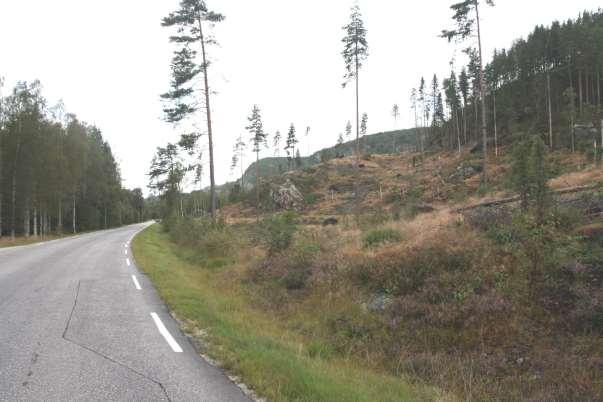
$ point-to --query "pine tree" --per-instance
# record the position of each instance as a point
(464, 89)
(464, 29)
(435, 91)
(298, 159)
(396, 114)
(348, 130)
(363, 129)
(307, 138)
(190, 20)
(290, 145)
(276, 141)
(414, 104)
(237, 157)
(355, 51)
(258, 139)
(424, 101)
(453, 102)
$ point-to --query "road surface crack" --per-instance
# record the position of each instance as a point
(65, 337)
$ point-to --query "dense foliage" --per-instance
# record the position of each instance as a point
(57, 173)
(549, 83)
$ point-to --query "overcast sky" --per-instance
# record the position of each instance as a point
(109, 61)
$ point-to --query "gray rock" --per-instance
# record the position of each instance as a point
(378, 302)
(287, 196)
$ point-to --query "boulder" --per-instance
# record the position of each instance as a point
(286, 196)
(378, 302)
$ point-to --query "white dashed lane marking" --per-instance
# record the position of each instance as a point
(136, 284)
(166, 334)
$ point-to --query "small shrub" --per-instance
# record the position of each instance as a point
(278, 231)
(377, 237)
(313, 198)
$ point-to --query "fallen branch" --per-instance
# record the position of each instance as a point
(509, 200)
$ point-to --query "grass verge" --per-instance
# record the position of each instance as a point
(250, 343)
(7, 241)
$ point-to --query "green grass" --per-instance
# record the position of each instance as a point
(253, 344)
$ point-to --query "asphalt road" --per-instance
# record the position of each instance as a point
(79, 322)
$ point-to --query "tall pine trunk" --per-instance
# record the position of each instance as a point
(495, 126)
(212, 182)
(1, 185)
(73, 221)
(483, 97)
(26, 220)
(550, 111)
(35, 220)
(257, 182)
(464, 124)
(60, 217)
(598, 95)
(357, 168)
(580, 91)
(458, 131)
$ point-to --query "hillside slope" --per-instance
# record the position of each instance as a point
(379, 143)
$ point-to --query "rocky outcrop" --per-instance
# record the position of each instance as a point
(286, 196)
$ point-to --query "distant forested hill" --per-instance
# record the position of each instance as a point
(380, 143)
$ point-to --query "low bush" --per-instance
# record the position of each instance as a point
(277, 231)
(205, 238)
(376, 237)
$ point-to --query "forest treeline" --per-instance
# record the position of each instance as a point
(57, 173)
(547, 84)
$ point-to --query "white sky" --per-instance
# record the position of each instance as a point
(109, 61)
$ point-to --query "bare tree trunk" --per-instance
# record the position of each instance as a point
(13, 204)
(35, 220)
(548, 93)
(13, 222)
(464, 124)
(357, 169)
(587, 88)
(495, 127)
(257, 183)
(598, 94)
(580, 91)
(212, 181)
(26, 218)
(1, 185)
(73, 216)
(458, 131)
(60, 217)
(483, 96)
